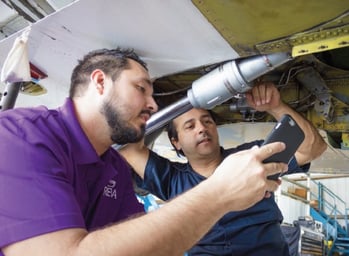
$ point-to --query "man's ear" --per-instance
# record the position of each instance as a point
(98, 79)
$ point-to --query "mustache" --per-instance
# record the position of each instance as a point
(205, 136)
(146, 111)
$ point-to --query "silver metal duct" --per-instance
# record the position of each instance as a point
(218, 86)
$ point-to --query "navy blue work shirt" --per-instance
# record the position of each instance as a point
(254, 231)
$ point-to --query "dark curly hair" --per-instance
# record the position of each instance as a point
(110, 61)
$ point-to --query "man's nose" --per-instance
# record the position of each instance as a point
(201, 127)
(151, 104)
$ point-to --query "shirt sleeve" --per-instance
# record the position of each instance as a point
(35, 194)
(157, 176)
(293, 167)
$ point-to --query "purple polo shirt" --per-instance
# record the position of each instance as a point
(51, 177)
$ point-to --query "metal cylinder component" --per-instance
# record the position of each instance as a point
(9, 95)
(162, 117)
(218, 86)
(232, 78)
(256, 66)
(239, 105)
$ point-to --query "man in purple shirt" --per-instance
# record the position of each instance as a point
(63, 187)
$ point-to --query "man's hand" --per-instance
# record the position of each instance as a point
(263, 97)
(243, 176)
(266, 97)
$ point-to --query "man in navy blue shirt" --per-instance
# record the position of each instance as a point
(254, 231)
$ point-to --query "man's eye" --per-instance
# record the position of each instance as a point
(208, 121)
(141, 88)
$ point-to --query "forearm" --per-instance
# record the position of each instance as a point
(170, 230)
(313, 145)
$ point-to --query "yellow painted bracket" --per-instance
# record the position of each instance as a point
(345, 140)
(320, 45)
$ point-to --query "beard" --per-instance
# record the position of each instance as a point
(120, 132)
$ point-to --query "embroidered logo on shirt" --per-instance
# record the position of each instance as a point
(110, 190)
